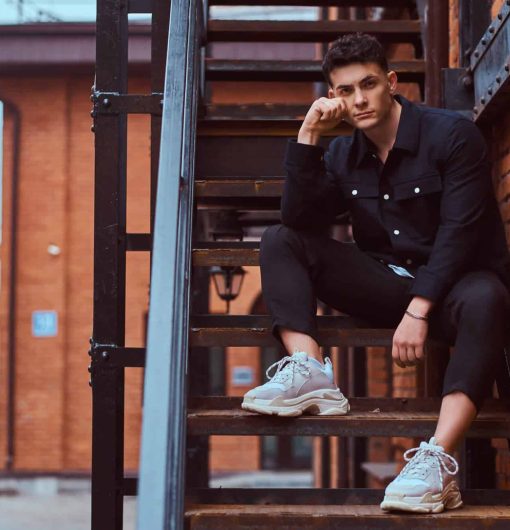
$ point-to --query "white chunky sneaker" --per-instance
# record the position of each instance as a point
(426, 484)
(300, 384)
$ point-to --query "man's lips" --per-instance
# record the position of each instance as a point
(362, 114)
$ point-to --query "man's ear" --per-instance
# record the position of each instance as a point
(331, 94)
(392, 81)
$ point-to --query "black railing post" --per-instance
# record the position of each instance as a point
(161, 486)
(437, 49)
(109, 269)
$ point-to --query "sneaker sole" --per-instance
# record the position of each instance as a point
(449, 499)
(317, 403)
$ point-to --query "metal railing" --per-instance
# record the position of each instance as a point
(161, 485)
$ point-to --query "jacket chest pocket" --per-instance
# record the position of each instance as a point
(424, 186)
(359, 190)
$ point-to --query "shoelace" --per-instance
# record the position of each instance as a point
(425, 455)
(285, 369)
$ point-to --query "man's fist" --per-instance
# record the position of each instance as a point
(324, 114)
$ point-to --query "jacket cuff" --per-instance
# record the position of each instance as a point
(303, 155)
(427, 285)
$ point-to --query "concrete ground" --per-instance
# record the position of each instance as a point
(64, 504)
(57, 512)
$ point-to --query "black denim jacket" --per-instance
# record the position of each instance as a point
(429, 208)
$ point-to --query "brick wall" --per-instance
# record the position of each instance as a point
(53, 399)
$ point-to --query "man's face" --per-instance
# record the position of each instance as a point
(367, 91)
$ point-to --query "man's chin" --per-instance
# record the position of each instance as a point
(366, 123)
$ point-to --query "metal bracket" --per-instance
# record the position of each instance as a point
(112, 356)
(108, 103)
(458, 90)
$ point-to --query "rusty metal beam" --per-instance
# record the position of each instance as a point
(490, 66)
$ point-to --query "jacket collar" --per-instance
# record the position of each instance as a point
(408, 133)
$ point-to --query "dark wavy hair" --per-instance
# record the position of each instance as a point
(353, 48)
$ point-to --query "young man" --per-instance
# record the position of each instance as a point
(429, 257)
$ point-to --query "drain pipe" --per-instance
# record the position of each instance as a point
(13, 111)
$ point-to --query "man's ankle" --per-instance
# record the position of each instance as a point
(317, 357)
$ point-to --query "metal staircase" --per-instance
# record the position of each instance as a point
(191, 140)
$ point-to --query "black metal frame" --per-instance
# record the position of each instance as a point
(111, 242)
(107, 379)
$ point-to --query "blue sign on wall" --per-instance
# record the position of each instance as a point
(44, 323)
(242, 376)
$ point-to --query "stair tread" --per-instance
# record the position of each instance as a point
(368, 417)
(311, 3)
(414, 65)
(347, 517)
(350, 510)
(310, 31)
(258, 119)
(255, 330)
(293, 70)
(264, 321)
(238, 187)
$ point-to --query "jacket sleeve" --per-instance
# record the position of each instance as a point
(311, 196)
(466, 189)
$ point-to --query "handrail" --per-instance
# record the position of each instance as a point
(161, 492)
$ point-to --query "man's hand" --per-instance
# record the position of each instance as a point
(323, 115)
(411, 333)
(409, 341)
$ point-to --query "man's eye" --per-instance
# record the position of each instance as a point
(344, 91)
(370, 84)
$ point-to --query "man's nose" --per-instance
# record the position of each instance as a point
(359, 97)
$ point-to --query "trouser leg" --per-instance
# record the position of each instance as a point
(297, 267)
(474, 315)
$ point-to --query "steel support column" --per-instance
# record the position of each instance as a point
(438, 45)
(109, 268)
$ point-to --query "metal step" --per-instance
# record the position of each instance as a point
(248, 70)
(266, 119)
(322, 496)
(405, 417)
(387, 31)
(255, 330)
(239, 193)
(344, 517)
(318, 3)
(225, 254)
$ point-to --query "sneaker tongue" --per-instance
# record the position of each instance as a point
(300, 356)
(432, 441)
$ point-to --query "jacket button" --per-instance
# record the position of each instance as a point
(409, 261)
(354, 192)
(396, 232)
(417, 190)
(386, 197)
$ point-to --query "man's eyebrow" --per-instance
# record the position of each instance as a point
(369, 76)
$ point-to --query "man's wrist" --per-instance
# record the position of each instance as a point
(420, 306)
(307, 136)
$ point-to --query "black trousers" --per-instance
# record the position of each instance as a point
(297, 267)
